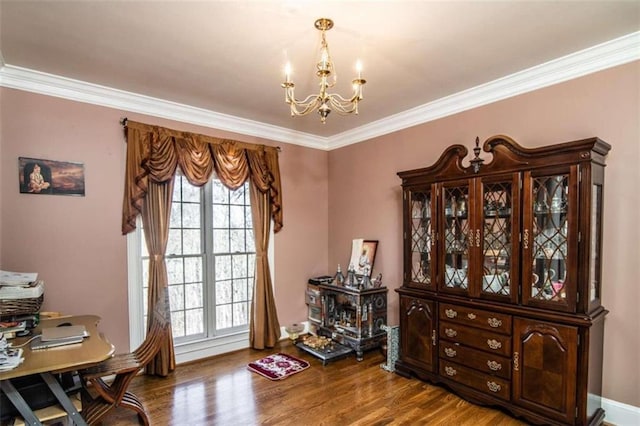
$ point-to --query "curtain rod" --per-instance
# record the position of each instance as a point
(124, 120)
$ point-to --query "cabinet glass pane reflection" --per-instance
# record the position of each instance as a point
(550, 229)
(496, 249)
(421, 237)
(456, 236)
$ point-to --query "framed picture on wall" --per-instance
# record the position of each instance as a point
(363, 254)
(39, 176)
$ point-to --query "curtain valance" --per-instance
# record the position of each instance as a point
(155, 152)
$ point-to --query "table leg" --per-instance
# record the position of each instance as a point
(18, 401)
(63, 399)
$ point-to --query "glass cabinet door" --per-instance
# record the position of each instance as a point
(456, 236)
(421, 239)
(499, 224)
(550, 239)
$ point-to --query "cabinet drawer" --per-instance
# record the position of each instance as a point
(487, 383)
(312, 298)
(499, 323)
(485, 362)
(483, 340)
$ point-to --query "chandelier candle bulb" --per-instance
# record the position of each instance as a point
(287, 73)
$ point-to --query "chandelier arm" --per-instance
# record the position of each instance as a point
(309, 100)
(304, 108)
(343, 106)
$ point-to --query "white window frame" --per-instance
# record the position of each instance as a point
(188, 351)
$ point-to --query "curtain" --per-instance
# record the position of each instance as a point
(153, 155)
(156, 211)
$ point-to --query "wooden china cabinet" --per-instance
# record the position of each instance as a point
(502, 277)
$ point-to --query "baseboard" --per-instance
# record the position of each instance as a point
(620, 414)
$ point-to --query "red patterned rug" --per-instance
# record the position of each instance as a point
(278, 366)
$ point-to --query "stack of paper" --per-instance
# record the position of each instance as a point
(10, 358)
(30, 291)
(17, 278)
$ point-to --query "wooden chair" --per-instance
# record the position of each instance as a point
(124, 367)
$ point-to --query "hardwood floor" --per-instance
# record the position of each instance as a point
(221, 391)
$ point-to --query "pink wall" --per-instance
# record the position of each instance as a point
(365, 196)
(75, 243)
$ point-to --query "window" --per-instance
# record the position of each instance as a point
(210, 261)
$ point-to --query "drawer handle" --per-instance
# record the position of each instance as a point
(471, 316)
(494, 387)
(451, 353)
(494, 322)
(493, 365)
(450, 313)
(450, 332)
(450, 371)
(516, 361)
(494, 344)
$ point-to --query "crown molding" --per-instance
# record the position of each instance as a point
(606, 55)
(62, 87)
(597, 58)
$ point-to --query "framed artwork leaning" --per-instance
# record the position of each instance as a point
(39, 176)
(363, 255)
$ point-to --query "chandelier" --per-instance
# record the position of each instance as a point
(324, 101)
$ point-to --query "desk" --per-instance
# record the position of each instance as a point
(47, 362)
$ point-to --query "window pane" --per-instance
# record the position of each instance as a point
(220, 216)
(223, 268)
(240, 315)
(193, 296)
(177, 323)
(223, 292)
(176, 215)
(247, 215)
(240, 290)
(193, 269)
(192, 244)
(176, 297)
(239, 265)
(220, 192)
(221, 241)
(174, 244)
(191, 216)
(236, 214)
(251, 264)
(195, 321)
(174, 271)
(251, 244)
(177, 188)
(223, 317)
(190, 193)
(237, 241)
(237, 196)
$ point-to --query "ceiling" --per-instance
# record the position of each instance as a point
(225, 59)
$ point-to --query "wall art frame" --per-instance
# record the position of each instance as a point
(41, 176)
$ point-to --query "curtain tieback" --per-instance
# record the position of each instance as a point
(156, 257)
